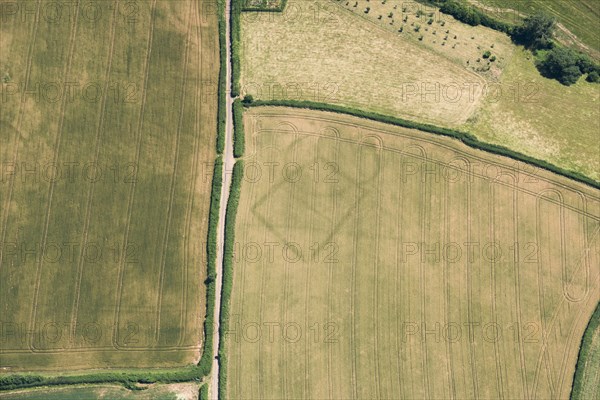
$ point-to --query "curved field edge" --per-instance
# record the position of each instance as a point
(464, 137)
(278, 135)
(228, 253)
(589, 350)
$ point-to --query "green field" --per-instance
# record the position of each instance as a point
(187, 391)
(373, 261)
(108, 125)
(579, 17)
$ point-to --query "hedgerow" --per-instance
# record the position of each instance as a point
(127, 378)
(584, 352)
(464, 137)
(236, 10)
(203, 393)
(230, 215)
(205, 363)
(238, 129)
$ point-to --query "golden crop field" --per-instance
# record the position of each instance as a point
(373, 261)
(107, 126)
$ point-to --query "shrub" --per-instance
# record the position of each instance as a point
(536, 31)
(248, 99)
(430, 21)
(593, 77)
(487, 54)
(493, 58)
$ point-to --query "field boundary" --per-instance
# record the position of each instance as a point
(228, 250)
(238, 129)
(584, 350)
(236, 35)
(466, 138)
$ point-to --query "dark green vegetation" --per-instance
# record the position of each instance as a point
(586, 383)
(205, 363)
(203, 394)
(470, 15)
(236, 10)
(228, 252)
(567, 65)
(128, 378)
(466, 138)
(238, 128)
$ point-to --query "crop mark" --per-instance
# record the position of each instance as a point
(99, 126)
(115, 338)
(450, 363)
(286, 264)
(18, 128)
(172, 190)
(57, 144)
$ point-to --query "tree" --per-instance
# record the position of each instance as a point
(536, 32)
(248, 99)
(561, 64)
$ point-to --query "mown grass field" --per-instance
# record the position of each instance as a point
(108, 125)
(320, 51)
(186, 391)
(542, 118)
(580, 17)
(357, 60)
(374, 261)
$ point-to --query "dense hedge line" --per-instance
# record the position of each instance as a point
(470, 15)
(222, 84)
(230, 215)
(238, 129)
(464, 137)
(127, 378)
(203, 393)
(265, 8)
(584, 352)
(236, 10)
(205, 362)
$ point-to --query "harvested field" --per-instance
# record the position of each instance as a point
(374, 261)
